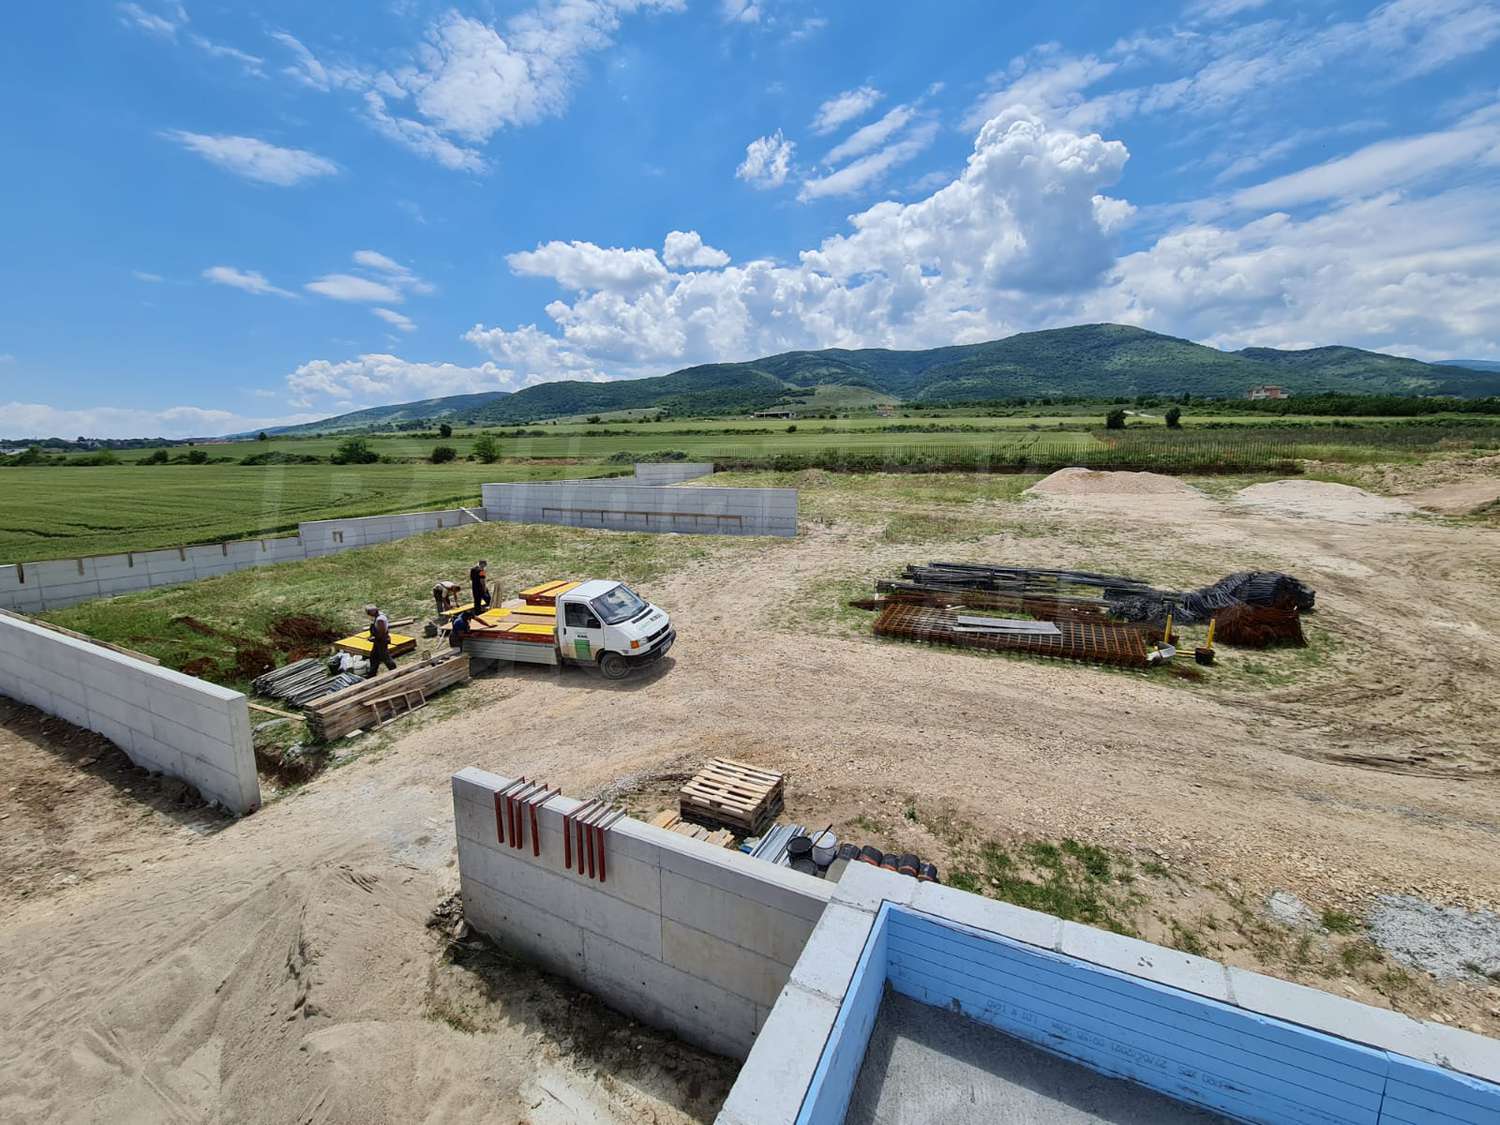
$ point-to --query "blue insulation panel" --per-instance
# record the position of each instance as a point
(1202, 1051)
(827, 1098)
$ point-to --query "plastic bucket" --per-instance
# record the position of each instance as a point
(825, 847)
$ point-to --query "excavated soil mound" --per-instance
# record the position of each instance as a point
(1322, 499)
(1087, 482)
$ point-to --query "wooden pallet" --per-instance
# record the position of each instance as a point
(672, 822)
(733, 794)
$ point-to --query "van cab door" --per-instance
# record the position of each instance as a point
(580, 632)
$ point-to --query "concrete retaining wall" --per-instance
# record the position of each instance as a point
(670, 472)
(635, 507)
(165, 721)
(681, 935)
(327, 537)
(41, 586)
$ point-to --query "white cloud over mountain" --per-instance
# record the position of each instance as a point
(1024, 237)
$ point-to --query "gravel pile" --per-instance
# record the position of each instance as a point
(1447, 941)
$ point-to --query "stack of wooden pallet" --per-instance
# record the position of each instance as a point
(378, 701)
(673, 822)
(733, 795)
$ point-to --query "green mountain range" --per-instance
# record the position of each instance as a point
(1087, 360)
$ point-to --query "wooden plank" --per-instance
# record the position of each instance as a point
(728, 778)
(664, 819)
(745, 767)
(273, 711)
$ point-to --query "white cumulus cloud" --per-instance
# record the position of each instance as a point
(687, 248)
(379, 378)
(768, 161)
(582, 265)
(255, 159)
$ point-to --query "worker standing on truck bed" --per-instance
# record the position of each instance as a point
(480, 587)
(380, 641)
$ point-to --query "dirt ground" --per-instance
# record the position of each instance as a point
(283, 968)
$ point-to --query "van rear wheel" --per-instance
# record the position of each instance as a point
(614, 666)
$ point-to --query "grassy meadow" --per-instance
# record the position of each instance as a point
(51, 513)
(65, 510)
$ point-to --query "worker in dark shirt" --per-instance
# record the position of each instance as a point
(480, 587)
(380, 641)
(458, 629)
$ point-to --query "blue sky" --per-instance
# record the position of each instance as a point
(215, 217)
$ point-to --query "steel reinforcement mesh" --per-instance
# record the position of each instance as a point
(1096, 642)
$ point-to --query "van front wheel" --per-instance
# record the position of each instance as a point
(614, 666)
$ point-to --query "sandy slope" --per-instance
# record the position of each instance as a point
(281, 969)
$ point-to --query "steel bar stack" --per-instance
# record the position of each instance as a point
(733, 795)
(1098, 642)
(377, 701)
(302, 681)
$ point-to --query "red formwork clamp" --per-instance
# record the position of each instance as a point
(518, 803)
(502, 809)
(568, 821)
(602, 826)
(535, 802)
(592, 826)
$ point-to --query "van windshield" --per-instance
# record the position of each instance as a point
(619, 604)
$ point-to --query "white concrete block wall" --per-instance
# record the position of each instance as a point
(671, 472)
(165, 721)
(696, 939)
(635, 507)
(41, 586)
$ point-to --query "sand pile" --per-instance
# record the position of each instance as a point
(1087, 482)
(1322, 499)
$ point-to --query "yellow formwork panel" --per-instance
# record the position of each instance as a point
(361, 645)
(491, 616)
(533, 610)
(544, 587)
(534, 630)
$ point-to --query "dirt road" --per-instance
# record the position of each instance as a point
(282, 969)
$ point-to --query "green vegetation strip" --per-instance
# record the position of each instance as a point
(213, 620)
(55, 513)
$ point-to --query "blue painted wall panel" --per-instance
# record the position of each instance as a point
(1217, 1029)
(1420, 1094)
(1136, 1029)
(1141, 1062)
(827, 1098)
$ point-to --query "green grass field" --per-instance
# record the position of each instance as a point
(240, 608)
(61, 511)
(52, 513)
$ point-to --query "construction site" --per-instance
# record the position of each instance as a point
(768, 797)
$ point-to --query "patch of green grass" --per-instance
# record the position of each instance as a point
(919, 527)
(1188, 940)
(55, 513)
(1068, 879)
(1337, 921)
(1155, 868)
(397, 576)
(1357, 953)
